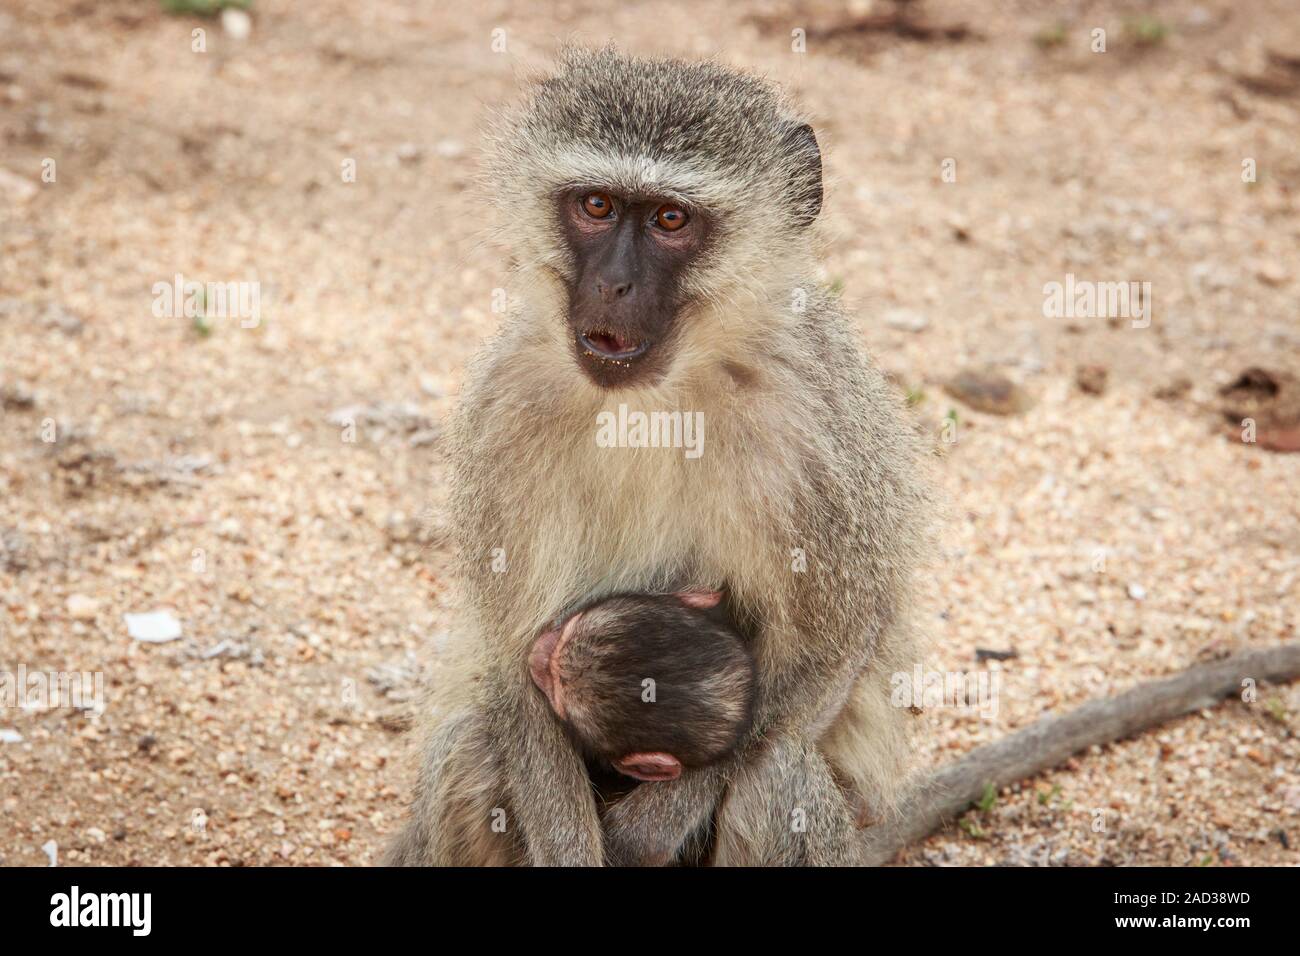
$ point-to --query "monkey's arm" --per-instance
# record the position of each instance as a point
(780, 808)
(650, 826)
(780, 805)
(495, 790)
(549, 788)
(550, 794)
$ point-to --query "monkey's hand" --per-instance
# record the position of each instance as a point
(549, 787)
(778, 805)
(651, 825)
(782, 807)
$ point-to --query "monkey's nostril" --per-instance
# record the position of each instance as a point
(614, 290)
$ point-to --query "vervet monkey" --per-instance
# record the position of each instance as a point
(649, 685)
(661, 215)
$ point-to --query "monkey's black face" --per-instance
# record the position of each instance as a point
(629, 254)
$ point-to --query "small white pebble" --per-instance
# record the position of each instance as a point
(906, 320)
(156, 627)
(450, 148)
(82, 608)
(237, 24)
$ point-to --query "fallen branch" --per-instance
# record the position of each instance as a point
(1049, 741)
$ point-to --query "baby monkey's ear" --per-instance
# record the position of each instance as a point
(543, 662)
(700, 599)
(649, 767)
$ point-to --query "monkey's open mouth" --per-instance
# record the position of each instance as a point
(612, 345)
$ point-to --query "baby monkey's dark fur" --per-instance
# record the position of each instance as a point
(649, 684)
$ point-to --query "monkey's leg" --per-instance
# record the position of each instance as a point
(548, 783)
(461, 815)
(868, 744)
(784, 808)
(419, 843)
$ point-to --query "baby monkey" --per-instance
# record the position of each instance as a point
(649, 685)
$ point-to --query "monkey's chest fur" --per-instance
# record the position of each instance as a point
(645, 519)
(591, 520)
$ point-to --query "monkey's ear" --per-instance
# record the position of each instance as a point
(805, 187)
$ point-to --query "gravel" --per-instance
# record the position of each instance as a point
(1108, 538)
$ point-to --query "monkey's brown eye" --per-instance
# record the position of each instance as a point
(597, 205)
(671, 217)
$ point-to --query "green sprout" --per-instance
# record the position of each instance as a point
(1146, 31)
(973, 829)
(203, 8)
(1277, 710)
(200, 324)
(1050, 37)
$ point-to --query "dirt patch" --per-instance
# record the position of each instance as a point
(1106, 537)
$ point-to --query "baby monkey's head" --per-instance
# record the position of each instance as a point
(650, 684)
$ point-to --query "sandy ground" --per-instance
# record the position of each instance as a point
(204, 468)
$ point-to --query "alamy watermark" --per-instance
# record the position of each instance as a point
(75, 908)
(651, 430)
(1084, 299)
(48, 690)
(181, 299)
(961, 690)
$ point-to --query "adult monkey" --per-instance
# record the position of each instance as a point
(661, 216)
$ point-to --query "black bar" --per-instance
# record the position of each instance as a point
(940, 907)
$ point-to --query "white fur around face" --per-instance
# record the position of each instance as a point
(602, 520)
